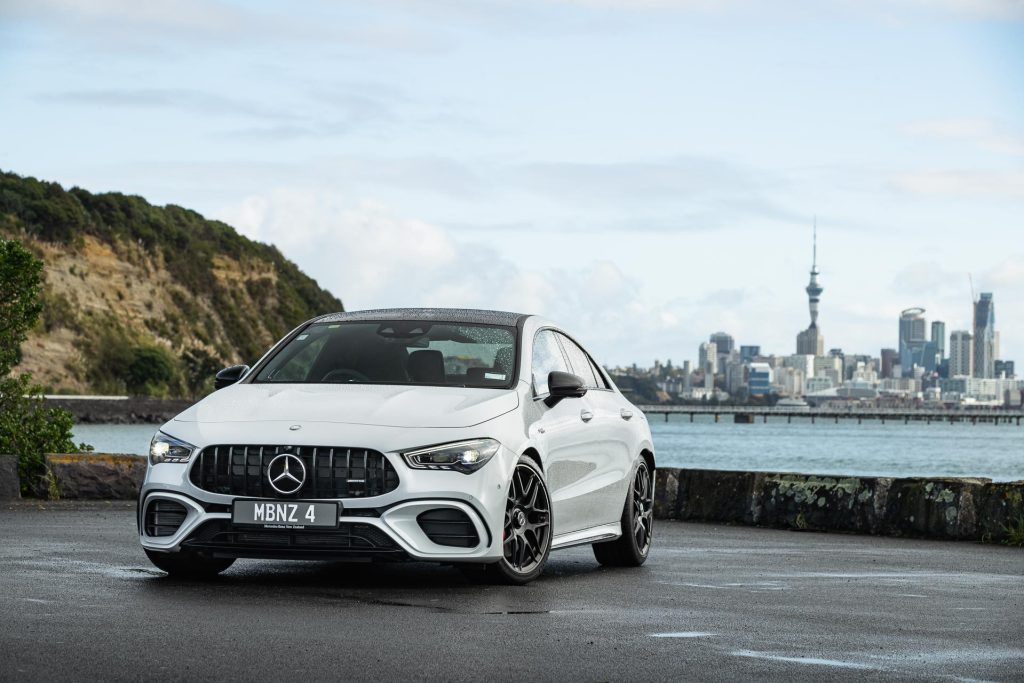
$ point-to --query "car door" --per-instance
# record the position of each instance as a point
(609, 438)
(565, 438)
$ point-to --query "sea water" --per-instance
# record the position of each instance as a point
(893, 449)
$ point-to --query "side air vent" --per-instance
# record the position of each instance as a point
(450, 527)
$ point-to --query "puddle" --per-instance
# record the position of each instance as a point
(684, 634)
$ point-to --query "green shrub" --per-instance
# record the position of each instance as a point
(28, 428)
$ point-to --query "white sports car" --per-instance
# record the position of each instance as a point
(478, 438)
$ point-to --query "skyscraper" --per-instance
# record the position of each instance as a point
(810, 342)
(961, 354)
(724, 342)
(939, 337)
(985, 336)
(915, 349)
(708, 357)
(888, 358)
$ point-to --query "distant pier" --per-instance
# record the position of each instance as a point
(750, 414)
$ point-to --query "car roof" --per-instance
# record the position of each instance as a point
(450, 315)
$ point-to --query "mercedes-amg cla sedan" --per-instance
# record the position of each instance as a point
(477, 438)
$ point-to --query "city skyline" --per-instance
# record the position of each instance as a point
(914, 343)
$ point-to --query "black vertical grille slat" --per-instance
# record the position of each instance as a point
(241, 470)
(330, 464)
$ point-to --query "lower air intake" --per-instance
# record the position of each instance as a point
(164, 517)
(450, 527)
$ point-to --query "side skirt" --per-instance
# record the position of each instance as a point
(595, 534)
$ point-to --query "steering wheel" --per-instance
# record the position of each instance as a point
(340, 375)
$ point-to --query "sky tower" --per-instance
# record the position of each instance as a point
(810, 342)
(814, 289)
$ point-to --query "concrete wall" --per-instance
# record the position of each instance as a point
(968, 509)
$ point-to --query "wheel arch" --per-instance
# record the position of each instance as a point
(647, 453)
(534, 455)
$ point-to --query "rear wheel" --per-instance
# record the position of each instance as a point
(631, 549)
(187, 565)
(526, 533)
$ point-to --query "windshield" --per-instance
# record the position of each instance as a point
(397, 352)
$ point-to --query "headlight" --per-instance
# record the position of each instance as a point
(164, 448)
(463, 456)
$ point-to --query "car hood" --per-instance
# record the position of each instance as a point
(363, 404)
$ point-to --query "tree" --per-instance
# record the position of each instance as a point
(150, 369)
(21, 277)
(27, 427)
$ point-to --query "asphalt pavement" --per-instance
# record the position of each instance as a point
(79, 601)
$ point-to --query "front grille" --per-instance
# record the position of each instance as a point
(348, 538)
(164, 517)
(331, 472)
(449, 526)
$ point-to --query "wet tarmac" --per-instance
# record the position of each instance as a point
(79, 601)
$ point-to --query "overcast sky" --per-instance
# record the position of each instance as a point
(644, 171)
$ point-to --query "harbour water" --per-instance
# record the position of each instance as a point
(868, 449)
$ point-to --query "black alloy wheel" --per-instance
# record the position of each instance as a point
(631, 549)
(526, 532)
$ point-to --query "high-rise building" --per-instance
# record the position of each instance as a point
(961, 354)
(810, 341)
(709, 358)
(723, 342)
(1005, 367)
(760, 379)
(749, 353)
(888, 358)
(939, 337)
(915, 349)
(985, 337)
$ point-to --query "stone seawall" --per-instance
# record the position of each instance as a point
(133, 410)
(949, 508)
(95, 476)
(946, 508)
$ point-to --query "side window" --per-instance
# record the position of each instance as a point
(580, 363)
(547, 358)
(602, 383)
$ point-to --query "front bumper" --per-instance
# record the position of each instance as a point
(384, 527)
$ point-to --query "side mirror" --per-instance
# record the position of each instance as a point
(563, 385)
(229, 376)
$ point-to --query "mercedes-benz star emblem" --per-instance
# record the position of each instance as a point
(286, 473)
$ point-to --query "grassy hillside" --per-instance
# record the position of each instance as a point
(144, 299)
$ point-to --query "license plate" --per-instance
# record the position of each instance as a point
(285, 514)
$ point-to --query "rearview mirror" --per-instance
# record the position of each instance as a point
(229, 376)
(563, 385)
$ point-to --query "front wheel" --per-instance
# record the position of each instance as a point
(631, 549)
(526, 533)
(186, 565)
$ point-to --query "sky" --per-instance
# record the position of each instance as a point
(644, 172)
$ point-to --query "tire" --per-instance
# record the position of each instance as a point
(632, 548)
(526, 538)
(186, 565)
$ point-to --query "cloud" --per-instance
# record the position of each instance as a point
(963, 184)
(181, 99)
(981, 132)
(372, 257)
(340, 109)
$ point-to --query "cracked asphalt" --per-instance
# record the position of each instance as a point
(80, 601)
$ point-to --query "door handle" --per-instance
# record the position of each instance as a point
(586, 415)
(625, 413)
